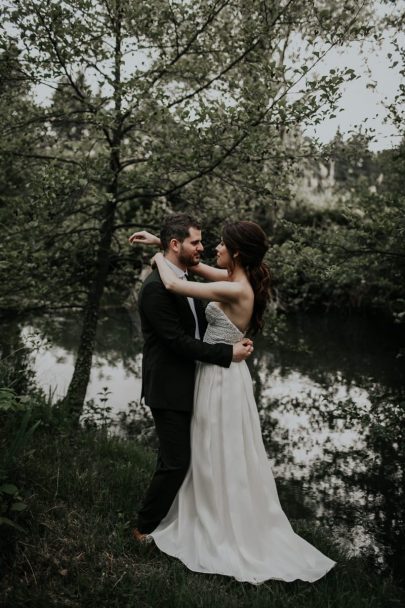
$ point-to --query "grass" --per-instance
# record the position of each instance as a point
(83, 488)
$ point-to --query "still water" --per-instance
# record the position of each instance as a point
(331, 396)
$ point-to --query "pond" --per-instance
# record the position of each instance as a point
(331, 396)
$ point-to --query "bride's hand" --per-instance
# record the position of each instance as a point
(242, 350)
(144, 238)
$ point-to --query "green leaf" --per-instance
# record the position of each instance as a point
(18, 506)
(9, 488)
(5, 521)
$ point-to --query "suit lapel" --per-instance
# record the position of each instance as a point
(185, 307)
(200, 310)
(186, 310)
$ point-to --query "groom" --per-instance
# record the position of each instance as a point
(173, 327)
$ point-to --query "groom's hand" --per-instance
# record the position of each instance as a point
(242, 350)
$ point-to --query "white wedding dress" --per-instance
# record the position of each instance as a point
(226, 518)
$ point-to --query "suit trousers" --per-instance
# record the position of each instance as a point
(173, 460)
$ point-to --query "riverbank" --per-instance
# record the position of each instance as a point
(82, 488)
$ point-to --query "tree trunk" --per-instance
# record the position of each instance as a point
(78, 386)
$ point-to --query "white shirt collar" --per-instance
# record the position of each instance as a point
(178, 271)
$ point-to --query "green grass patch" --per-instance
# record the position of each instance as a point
(82, 489)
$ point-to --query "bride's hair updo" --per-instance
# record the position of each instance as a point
(249, 241)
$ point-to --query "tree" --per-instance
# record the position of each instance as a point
(181, 99)
(353, 161)
(15, 174)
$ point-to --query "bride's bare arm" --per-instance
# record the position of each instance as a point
(143, 237)
(220, 291)
(209, 272)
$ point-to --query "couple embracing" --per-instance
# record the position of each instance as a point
(212, 501)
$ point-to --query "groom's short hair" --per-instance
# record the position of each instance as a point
(177, 226)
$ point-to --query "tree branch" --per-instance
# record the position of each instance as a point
(80, 95)
(44, 157)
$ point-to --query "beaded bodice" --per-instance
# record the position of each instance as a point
(220, 327)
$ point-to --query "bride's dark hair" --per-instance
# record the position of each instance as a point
(249, 241)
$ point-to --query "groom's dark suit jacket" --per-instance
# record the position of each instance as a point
(170, 348)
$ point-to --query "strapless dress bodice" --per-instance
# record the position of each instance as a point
(220, 327)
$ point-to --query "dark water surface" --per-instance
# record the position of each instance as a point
(331, 395)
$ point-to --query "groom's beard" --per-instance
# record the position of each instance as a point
(189, 259)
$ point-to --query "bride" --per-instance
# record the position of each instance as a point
(227, 518)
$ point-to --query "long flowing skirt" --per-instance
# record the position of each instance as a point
(227, 518)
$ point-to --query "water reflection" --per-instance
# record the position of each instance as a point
(333, 418)
(116, 363)
(331, 397)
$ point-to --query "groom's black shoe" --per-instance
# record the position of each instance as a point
(140, 537)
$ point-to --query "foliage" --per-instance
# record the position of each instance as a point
(11, 500)
(355, 165)
(395, 23)
(357, 263)
(79, 549)
(351, 254)
(359, 483)
(148, 117)
(136, 422)
(98, 415)
(18, 423)
(153, 104)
